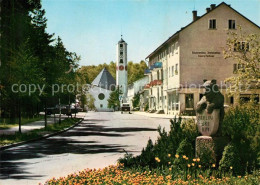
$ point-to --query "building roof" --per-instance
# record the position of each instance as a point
(104, 80)
(121, 41)
(198, 17)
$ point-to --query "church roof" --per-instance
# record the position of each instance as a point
(104, 80)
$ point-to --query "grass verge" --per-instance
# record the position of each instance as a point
(34, 134)
(5, 122)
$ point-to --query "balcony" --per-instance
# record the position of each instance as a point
(157, 65)
(147, 86)
(155, 82)
(147, 71)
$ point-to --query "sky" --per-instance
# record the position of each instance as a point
(92, 28)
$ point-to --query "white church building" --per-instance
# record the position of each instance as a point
(104, 83)
(101, 87)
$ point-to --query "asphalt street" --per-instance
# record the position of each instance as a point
(95, 143)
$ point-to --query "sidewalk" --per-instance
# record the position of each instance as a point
(37, 124)
(163, 116)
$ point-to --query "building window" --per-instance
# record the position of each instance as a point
(234, 68)
(212, 24)
(201, 96)
(176, 69)
(231, 24)
(241, 46)
(172, 70)
(189, 101)
(121, 61)
(101, 105)
(231, 100)
(121, 45)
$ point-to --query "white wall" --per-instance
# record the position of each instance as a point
(95, 91)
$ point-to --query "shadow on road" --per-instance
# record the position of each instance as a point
(14, 161)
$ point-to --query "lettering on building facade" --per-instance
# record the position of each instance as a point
(206, 53)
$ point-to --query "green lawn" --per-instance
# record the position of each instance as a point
(5, 122)
(51, 128)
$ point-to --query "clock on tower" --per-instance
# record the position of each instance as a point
(121, 66)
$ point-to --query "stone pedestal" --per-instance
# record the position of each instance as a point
(205, 149)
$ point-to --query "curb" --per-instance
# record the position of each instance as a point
(39, 138)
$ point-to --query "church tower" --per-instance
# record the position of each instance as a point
(121, 68)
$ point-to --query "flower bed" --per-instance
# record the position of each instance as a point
(119, 175)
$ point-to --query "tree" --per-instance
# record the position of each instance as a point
(29, 56)
(135, 71)
(245, 50)
(136, 100)
(113, 100)
(90, 102)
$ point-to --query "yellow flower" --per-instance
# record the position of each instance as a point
(239, 177)
(199, 166)
(231, 167)
(213, 165)
(198, 159)
(177, 156)
(194, 160)
(169, 162)
(188, 165)
(169, 155)
(192, 164)
(184, 156)
(170, 169)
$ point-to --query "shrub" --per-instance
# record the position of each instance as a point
(241, 125)
(185, 148)
(181, 136)
(231, 159)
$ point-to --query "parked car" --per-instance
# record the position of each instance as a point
(65, 109)
(125, 108)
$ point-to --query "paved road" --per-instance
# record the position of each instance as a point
(95, 143)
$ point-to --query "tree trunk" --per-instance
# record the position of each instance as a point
(45, 114)
(20, 117)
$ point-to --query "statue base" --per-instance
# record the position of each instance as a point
(204, 149)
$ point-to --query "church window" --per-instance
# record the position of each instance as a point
(101, 96)
(121, 61)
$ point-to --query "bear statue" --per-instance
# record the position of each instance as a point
(212, 99)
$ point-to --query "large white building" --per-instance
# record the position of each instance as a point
(135, 88)
(178, 66)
